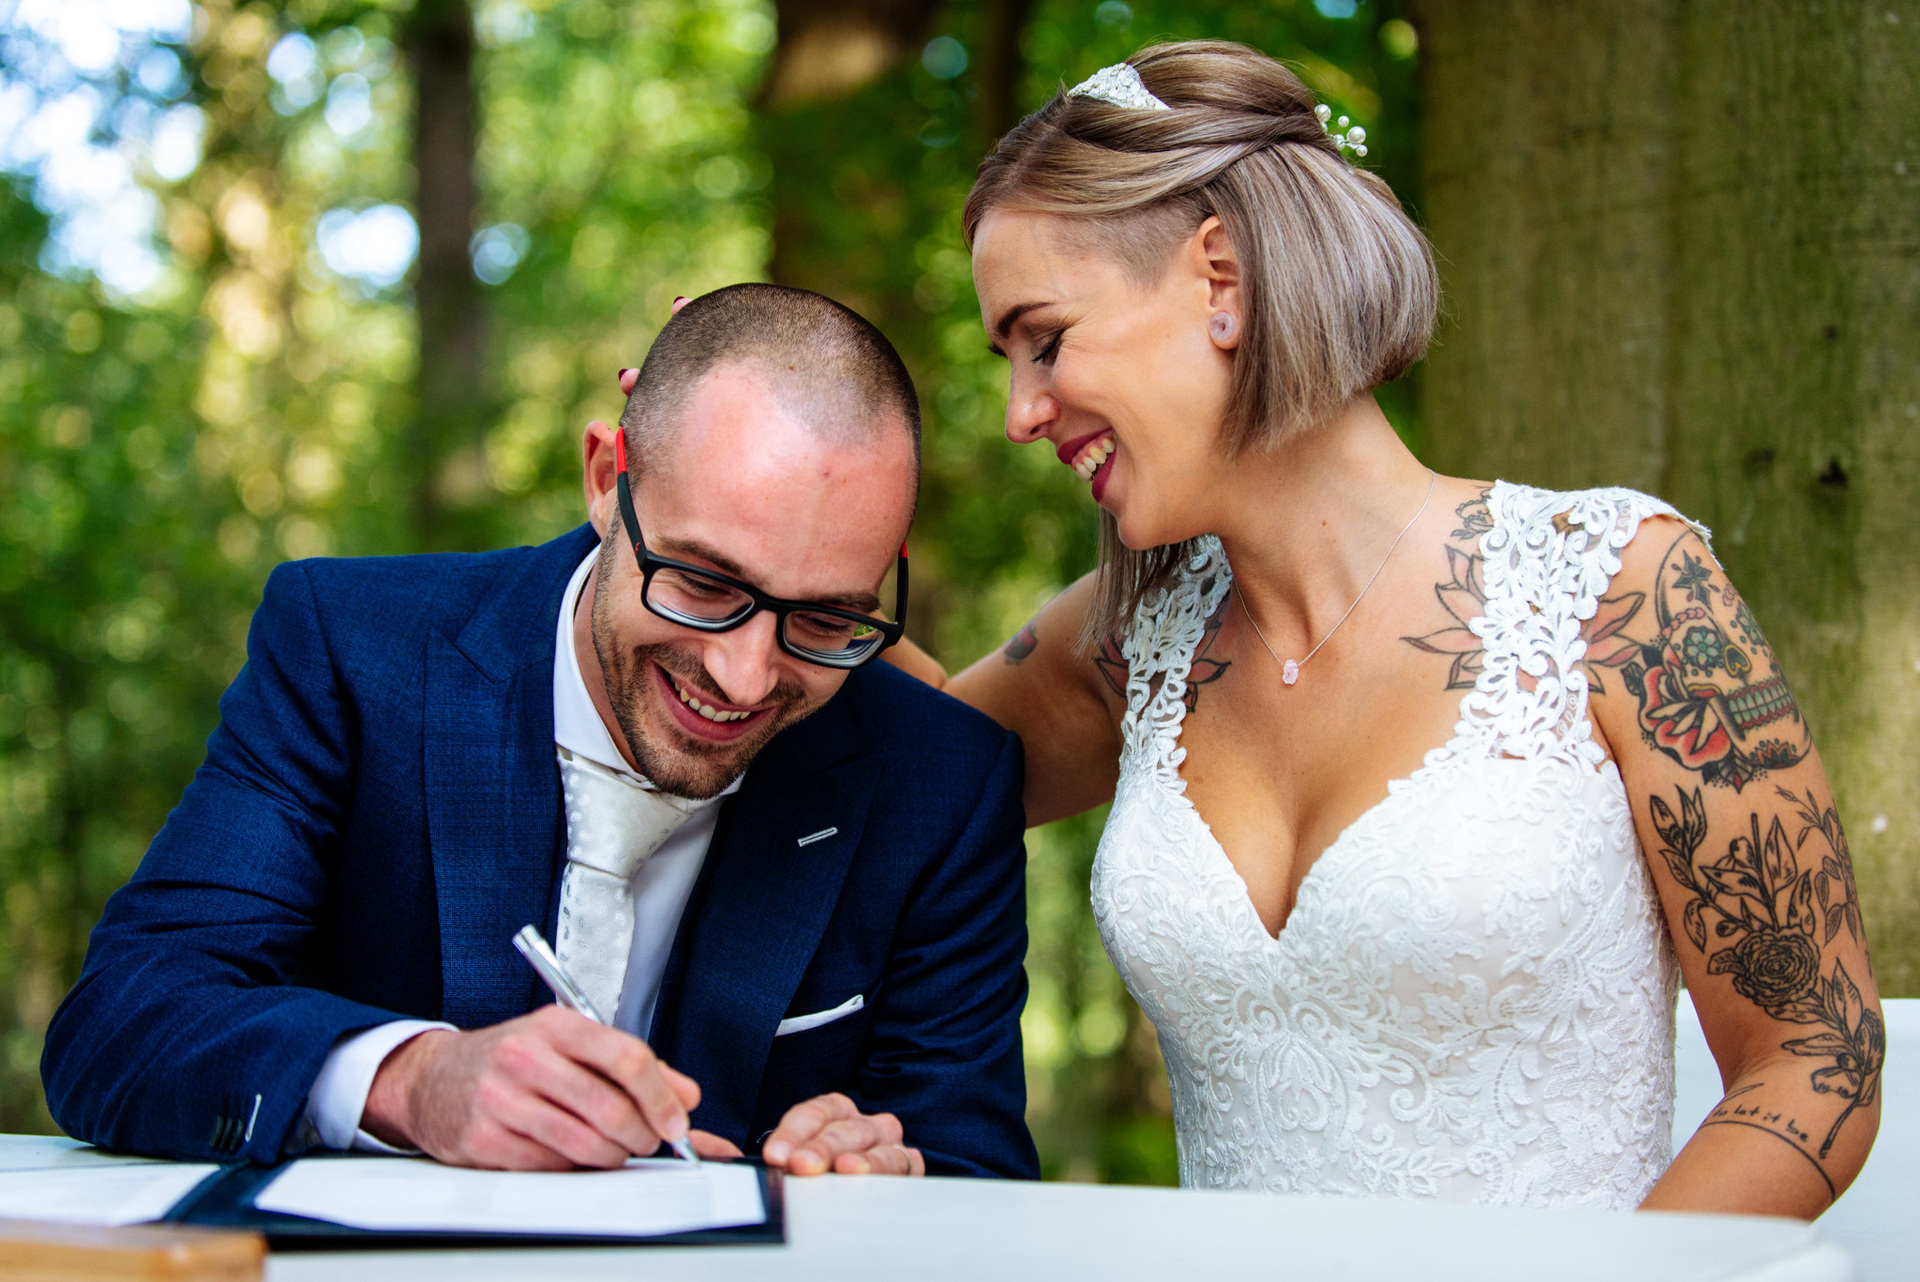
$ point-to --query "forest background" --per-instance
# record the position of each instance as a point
(340, 277)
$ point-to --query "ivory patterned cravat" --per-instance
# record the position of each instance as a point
(614, 825)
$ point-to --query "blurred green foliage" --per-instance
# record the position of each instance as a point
(158, 454)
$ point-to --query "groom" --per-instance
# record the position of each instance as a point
(790, 877)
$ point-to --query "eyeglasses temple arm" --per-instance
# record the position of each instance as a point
(900, 594)
(623, 491)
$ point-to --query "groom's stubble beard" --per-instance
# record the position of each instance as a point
(682, 766)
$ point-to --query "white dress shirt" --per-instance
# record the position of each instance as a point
(660, 889)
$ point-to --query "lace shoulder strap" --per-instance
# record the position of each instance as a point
(1159, 650)
(1547, 560)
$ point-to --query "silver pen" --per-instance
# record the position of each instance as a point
(531, 946)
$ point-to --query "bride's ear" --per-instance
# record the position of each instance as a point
(1210, 256)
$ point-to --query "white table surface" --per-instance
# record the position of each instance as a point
(986, 1229)
(1877, 1220)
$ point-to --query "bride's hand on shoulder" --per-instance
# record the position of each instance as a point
(1746, 851)
(1064, 703)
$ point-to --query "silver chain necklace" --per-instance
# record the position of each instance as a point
(1290, 668)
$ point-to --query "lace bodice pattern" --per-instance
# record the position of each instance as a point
(1473, 998)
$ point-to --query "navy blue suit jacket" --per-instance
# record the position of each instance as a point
(380, 810)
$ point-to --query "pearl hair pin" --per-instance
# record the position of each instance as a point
(1120, 86)
(1290, 668)
(1353, 139)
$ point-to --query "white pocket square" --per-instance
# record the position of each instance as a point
(801, 1023)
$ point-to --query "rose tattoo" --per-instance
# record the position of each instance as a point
(1772, 919)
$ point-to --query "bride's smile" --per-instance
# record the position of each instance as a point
(1088, 457)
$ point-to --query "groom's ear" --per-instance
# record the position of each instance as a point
(598, 450)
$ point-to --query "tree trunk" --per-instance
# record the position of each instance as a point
(833, 170)
(1001, 66)
(450, 406)
(1680, 244)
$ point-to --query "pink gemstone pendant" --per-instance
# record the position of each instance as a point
(1290, 672)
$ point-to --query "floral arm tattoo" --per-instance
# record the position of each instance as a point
(1769, 894)
(1768, 921)
(1768, 889)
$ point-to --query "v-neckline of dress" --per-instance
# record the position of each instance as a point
(1395, 786)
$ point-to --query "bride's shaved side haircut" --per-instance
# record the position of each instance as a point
(1338, 285)
(838, 372)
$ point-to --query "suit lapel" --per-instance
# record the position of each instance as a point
(759, 914)
(494, 819)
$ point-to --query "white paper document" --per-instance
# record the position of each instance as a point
(645, 1198)
(98, 1194)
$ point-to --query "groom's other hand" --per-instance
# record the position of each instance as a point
(548, 1091)
(830, 1133)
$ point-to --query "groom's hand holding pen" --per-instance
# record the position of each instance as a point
(551, 1090)
(547, 966)
(557, 1089)
(547, 1091)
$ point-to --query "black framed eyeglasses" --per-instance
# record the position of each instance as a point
(709, 601)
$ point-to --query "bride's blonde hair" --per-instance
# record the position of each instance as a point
(1338, 284)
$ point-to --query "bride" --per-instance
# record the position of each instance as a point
(1421, 786)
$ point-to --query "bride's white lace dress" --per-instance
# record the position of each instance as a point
(1473, 998)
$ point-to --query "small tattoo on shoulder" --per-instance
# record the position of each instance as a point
(1464, 597)
(1205, 669)
(1112, 663)
(1023, 643)
(1476, 518)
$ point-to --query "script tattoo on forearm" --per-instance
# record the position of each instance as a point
(1736, 1110)
(1769, 923)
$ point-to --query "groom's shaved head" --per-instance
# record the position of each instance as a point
(824, 362)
